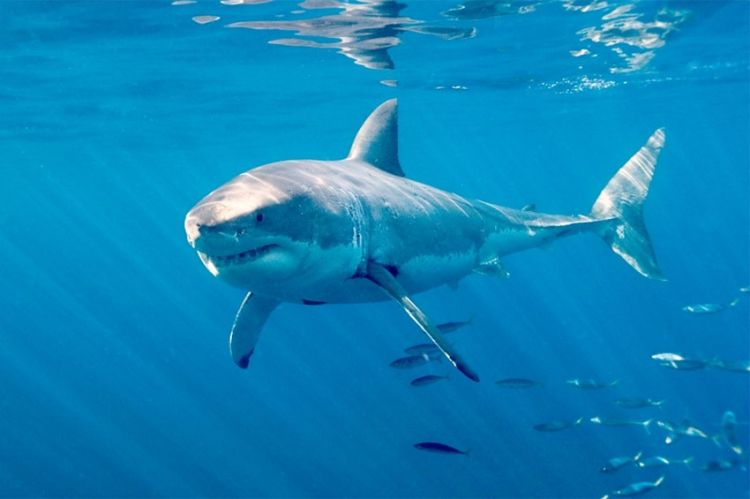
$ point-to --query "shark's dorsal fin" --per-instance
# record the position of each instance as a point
(377, 139)
(248, 322)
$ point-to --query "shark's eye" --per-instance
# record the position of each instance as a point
(259, 217)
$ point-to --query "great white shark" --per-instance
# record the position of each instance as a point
(357, 230)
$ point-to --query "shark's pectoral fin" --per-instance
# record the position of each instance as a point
(248, 322)
(492, 267)
(386, 281)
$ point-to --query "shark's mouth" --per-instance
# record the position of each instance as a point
(241, 258)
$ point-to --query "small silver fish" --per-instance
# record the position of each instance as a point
(422, 348)
(638, 403)
(744, 290)
(557, 425)
(517, 383)
(427, 380)
(635, 489)
(449, 327)
(659, 461)
(741, 366)
(709, 308)
(590, 384)
(675, 430)
(678, 362)
(439, 448)
(431, 348)
(729, 432)
(703, 308)
(721, 465)
(667, 357)
(616, 463)
(685, 364)
(621, 422)
(411, 361)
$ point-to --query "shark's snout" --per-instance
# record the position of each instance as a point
(211, 220)
(192, 229)
(214, 239)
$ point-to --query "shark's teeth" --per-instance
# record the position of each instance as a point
(241, 258)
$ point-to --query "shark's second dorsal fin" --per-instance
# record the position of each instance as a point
(377, 139)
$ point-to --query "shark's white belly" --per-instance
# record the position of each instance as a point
(417, 275)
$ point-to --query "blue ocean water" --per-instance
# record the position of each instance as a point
(118, 116)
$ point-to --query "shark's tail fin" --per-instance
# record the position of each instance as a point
(622, 202)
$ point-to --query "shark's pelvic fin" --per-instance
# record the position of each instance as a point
(377, 139)
(622, 200)
(385, 280)
(492, 267)
(248, 322)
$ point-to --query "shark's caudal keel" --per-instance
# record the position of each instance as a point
(357, 230)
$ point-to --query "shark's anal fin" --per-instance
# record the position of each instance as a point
(248, 322)
(386, 281)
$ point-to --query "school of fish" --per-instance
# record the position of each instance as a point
(724, 443)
